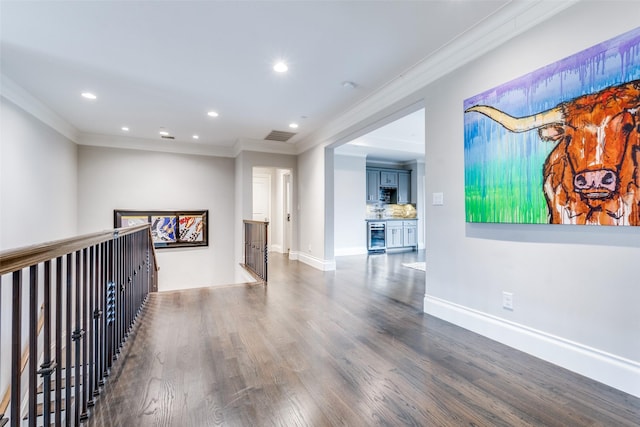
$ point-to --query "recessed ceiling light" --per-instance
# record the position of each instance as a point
(293, 125)
(280, 67)
(349, 85)
(164, 133)
(212, 114)
(89, 95)
(196, 137)
(125, 129)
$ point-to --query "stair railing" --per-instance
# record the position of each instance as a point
(256, 254)
(86, 293)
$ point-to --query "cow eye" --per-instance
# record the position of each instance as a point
(627, 128)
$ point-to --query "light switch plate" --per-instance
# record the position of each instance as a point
(438, 199)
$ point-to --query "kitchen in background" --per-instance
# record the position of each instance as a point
(379, 189)
(390, 215)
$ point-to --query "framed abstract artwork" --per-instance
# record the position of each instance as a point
(169, 229)
(560, 145)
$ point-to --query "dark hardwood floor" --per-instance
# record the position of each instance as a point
(344, 348)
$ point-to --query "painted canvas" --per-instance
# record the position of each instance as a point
(169, 229)
(191, 228)
(560, 145)
(163, 228)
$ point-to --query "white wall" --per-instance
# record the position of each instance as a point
(245, 163)
(350, 180)
(141, 180)
(38, 201)
(418, 195)
(311, 209)
(576, 289)
(38, 175)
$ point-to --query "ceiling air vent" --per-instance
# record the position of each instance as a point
(167, 137)
(279, 135)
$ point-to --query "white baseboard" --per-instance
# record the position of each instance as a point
(618, 372)
(317, 263)
(293, 255)
(356, 250)
(276, 248)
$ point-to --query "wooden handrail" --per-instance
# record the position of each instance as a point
(16, 259)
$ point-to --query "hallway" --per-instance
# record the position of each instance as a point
(350, 347)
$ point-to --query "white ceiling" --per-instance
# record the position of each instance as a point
(399, 141)
(156, 64)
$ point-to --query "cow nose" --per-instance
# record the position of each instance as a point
(602, 179)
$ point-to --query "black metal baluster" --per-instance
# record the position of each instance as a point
(59, 310)
(16, 338)
(118, 307)
(93, 264)
(33, 344)
(110, 318)
(126, 288)
(67, 332)
(48, 366)
(98, 318)
(83, 285)
(103, 318)
(266, 252)
(77, 335)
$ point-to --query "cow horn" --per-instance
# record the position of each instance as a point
(520, 124)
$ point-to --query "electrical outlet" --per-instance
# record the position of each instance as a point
(507, 300)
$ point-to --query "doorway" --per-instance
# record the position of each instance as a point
(286, 223)
(272, 201)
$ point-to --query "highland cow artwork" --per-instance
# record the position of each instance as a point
(560, 145)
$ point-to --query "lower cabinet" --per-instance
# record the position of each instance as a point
(410, 233)
(402, 234)
(395, 236)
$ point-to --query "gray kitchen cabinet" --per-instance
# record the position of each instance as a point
(373, 185)
(404, 187)
(394, 234)
(388, 179)
(410, 233)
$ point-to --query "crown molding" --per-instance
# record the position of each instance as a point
(131, 143)
(23, 99)
(263, 146)
(513, 19)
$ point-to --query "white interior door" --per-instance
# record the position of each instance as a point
(261, 197)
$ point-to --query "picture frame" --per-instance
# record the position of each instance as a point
(556, 145)
(169, 229)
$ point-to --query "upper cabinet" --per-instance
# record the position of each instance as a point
(373, 185)
(388, 179)
(404, 187)
(388, 186)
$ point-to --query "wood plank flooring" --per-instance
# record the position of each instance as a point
(344, 348)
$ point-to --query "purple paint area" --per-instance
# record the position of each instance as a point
(609, 63)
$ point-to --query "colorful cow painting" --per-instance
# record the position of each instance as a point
(592, 176)
(560, 145)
